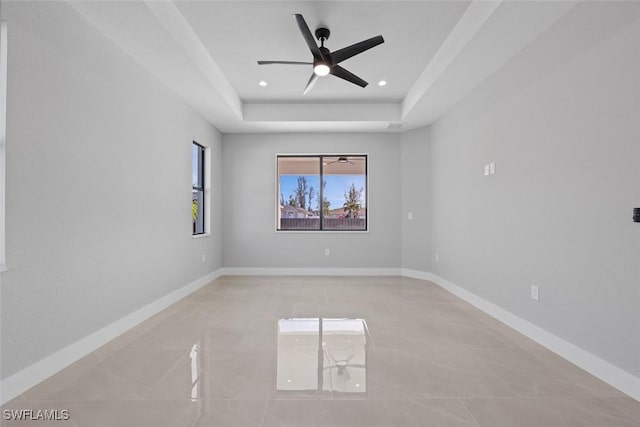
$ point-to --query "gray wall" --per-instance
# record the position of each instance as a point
(561, 121)
(250, 239)
(98, 185)
(415, 189)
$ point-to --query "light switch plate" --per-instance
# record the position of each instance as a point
(492, 168)
(535, 293)
(486, 170)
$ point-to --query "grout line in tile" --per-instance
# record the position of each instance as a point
(477, 423)
(264, 412)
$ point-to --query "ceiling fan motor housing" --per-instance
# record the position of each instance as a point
(323, 33)
(326, 54)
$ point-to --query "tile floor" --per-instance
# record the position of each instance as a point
(411, 355)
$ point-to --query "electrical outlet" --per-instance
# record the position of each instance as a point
(492, 168)
(327, 252)
(486, 170)
(437, 257)
(204, 258)
(410, 216)
(535, 293)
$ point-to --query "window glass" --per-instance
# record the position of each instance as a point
(299, 192)
(198, 189)
(344, 191)
(322, 192)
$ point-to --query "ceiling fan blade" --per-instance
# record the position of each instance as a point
(284, 62)
(308, 37)
(310, 83)
(338, 71)
(349, 51)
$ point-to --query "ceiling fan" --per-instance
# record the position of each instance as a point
(324, 61)
(342, 365)
(342, 160)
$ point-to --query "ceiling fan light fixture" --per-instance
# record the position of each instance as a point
(324, 61)
(321, 69)
(262, 83)
(382, 83)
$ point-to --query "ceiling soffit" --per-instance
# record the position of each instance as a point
(435, 53)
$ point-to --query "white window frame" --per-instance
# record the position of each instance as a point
(276, 219)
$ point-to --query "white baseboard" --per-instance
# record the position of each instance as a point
(416, 274)
(611, 374)
(22, 381)
(242, 271)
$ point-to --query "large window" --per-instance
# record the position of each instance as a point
(198, 191)
(322, 192)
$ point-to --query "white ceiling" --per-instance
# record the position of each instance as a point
(237, 40)
(435, 53)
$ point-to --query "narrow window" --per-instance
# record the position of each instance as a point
(3, 135)
(198, 198)
(322, 192)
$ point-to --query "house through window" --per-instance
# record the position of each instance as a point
(322, 192)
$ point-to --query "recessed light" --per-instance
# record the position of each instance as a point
(382, 83)
(262, 83)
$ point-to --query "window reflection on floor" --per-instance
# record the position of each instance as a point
(322, 355)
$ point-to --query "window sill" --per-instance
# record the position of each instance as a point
(322, 231)
(200, 236)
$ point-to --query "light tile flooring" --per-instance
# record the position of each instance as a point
(430, 360)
